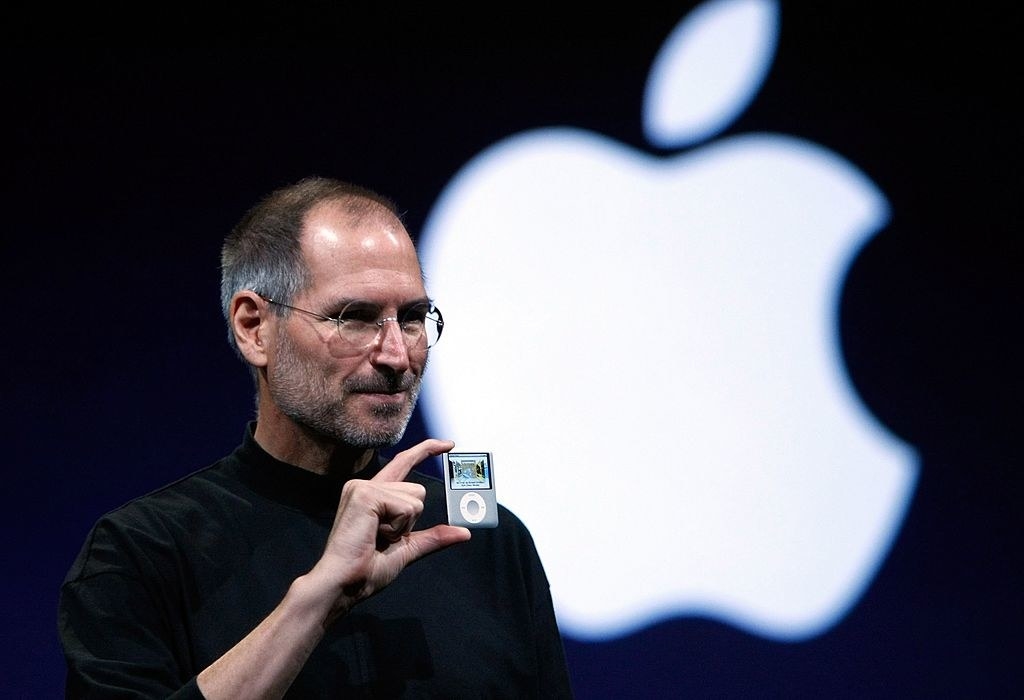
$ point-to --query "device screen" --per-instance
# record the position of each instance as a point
(469, 472)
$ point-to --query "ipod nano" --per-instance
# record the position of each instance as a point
(469, 487)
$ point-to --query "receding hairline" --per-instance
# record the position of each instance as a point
(356, 208)
(353, 211)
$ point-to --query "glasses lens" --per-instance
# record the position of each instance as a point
(433, 324)
(359, 326)
(421, 323)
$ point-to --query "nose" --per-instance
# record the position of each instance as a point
(389, 348)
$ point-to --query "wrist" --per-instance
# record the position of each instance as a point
(320, 597)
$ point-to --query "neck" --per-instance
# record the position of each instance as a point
(294, 444)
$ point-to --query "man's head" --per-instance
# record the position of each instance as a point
(305, 256)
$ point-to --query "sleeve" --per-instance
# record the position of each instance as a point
(553, 670)
(118, 642)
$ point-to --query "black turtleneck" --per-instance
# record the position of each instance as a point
(168, 582)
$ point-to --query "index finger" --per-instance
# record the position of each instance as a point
(403, 463)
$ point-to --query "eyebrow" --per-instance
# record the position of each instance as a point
(360, 301)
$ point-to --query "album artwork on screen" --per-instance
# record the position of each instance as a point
(470, 471)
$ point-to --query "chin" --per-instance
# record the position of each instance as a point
(381, 434)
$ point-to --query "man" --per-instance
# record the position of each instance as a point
(298, 565)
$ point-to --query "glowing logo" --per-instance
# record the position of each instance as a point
(649, 346)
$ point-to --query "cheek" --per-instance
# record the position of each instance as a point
(418, 362)
(337, 370)
(315, 358)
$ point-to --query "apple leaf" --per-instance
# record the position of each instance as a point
(708, 70)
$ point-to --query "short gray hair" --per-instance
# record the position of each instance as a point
(263, 251)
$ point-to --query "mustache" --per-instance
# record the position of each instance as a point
(381, 384)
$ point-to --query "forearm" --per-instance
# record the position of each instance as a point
(371, 542)
(266, 661)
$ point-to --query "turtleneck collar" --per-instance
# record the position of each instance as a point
(288, 484)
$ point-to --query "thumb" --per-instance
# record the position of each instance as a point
(399, 467)
(424, 542)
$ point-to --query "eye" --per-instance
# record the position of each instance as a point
(358, 312)
(415, 314)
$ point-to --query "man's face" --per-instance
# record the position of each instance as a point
(360, 396)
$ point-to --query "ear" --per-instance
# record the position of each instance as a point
(248, 323)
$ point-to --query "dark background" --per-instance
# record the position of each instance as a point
(126, 164)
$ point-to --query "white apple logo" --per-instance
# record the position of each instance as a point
(649, 347)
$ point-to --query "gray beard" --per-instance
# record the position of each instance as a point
(302, 394)
(351, 433)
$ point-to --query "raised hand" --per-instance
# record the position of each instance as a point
(372, 539)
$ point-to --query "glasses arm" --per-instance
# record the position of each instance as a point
(296, 308)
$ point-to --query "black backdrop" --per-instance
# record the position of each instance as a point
(126, 165)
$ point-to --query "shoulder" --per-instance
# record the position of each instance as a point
(155, 521)
(194, 493)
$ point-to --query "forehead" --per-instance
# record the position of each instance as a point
(367, 255)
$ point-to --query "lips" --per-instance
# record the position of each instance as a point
(384, 395)
(376, 388)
